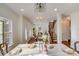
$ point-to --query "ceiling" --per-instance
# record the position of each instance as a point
(48, 14)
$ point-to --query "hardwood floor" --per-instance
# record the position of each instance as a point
(67, 43)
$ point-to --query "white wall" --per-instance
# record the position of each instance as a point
(20, 24)
(24, 26)
(74, 28)
(9, 14)
(28, 25)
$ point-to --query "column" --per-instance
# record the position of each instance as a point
(59, 29)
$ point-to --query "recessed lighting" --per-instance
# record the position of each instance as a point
(55, 9)
(21, 9)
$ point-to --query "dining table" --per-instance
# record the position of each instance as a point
(35, 50)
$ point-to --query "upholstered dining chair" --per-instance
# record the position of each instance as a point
(76, 46)
(3, 48)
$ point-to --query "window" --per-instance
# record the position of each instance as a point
(8, 32)
(6, 29)
(1, 32)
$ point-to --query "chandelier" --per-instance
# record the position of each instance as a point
(40, 7)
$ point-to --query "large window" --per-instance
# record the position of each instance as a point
(1, 31)
(6, 29)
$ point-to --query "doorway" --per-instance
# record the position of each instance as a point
(52, 32)
(66, 31)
